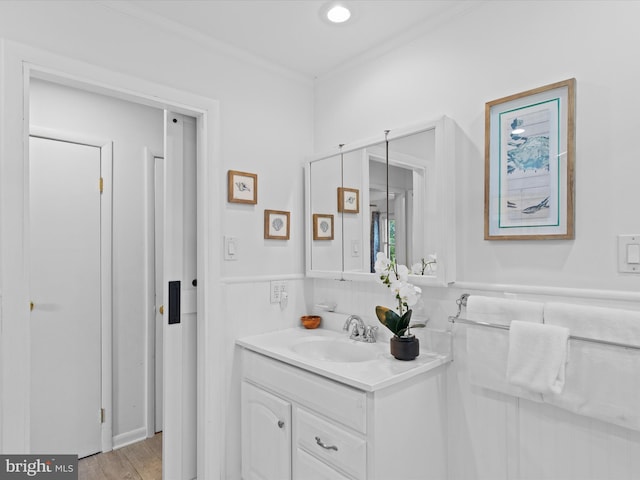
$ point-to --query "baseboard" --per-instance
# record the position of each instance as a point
(128, 438)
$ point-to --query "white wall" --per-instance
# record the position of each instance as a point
(266, 113)
(493, 50)
(131, 128)
(265, 127)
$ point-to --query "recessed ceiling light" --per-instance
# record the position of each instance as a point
(338, 14)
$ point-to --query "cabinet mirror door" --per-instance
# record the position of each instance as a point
(394, 196)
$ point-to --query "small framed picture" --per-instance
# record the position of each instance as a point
(348, 200)
(322, 226)
(276, 224)
(242, 187)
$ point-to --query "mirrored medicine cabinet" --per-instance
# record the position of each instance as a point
(394, 193)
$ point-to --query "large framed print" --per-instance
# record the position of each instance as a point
(530, 164)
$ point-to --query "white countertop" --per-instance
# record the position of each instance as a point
(370, 375)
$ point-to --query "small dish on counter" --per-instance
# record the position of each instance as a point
(310, 321)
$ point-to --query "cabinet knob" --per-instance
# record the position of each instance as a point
(280, 424)
(325, 446)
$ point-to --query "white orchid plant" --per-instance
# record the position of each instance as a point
(396, 277)
(426, 266)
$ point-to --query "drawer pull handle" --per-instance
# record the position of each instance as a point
(280, 424)
(325, 446)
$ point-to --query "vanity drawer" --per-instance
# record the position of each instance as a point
(336, 400)
(310, 468)
(330, 443)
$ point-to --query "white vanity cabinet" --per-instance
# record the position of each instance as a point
(266, 434)
(300, 425)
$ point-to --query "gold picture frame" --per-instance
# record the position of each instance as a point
(242, 187)
(277, 224)
(530, 164)
(322, 226)
(348, 200)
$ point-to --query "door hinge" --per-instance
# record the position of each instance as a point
(101, 184)
(102, 415)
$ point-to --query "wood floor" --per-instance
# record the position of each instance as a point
(139, 461)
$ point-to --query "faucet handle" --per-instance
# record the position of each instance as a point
(369, 333)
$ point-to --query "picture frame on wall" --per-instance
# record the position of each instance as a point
(348, 200)
(530, 164)
(276, 224)
(242, 187)
(322, 226)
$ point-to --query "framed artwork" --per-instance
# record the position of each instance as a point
(242, 187)
(322, 226)
(530, 164)
(348, 200)
(276, 224)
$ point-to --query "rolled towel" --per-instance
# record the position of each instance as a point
(537, 356)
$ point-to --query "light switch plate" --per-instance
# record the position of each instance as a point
(230, 248)
(628, 249)
(355, 248)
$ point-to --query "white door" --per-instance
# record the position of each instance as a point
(65, 273)
(179, 319)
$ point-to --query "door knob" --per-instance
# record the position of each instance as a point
(31, 306)
(161, 309)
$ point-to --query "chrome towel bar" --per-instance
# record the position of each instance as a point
(462, 302)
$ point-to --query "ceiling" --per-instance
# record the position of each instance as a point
(291, 33)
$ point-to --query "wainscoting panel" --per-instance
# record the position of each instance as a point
(495, 436)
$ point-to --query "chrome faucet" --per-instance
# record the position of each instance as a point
(360, 331)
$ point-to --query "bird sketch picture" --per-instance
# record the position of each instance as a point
(242, 187)
(322, 226)
(348, 200)
(529, 164)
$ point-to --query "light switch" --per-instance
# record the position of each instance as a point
(355, 248)
(230, 248)
(629, 253)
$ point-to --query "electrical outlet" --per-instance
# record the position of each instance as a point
(278, 287)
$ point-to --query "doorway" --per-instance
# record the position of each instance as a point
(21, 64)
(180, 138)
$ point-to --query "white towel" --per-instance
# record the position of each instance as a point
(487, 347)
(537, 356)
(601, 381)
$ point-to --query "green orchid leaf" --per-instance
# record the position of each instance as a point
(389, 319)
(406, 318)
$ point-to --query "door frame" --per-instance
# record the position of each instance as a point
(151, 287)
(20, 63)
(106, 265)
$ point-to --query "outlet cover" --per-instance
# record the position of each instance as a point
(278, 287)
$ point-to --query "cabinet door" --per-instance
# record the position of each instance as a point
(310, 468)
(266, 435)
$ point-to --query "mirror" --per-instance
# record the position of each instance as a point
(405, 204)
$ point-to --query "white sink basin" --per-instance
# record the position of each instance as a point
(335, 350)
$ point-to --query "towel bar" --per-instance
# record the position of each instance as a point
(462, 301)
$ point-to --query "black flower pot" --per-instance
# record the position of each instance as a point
(405, 348)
